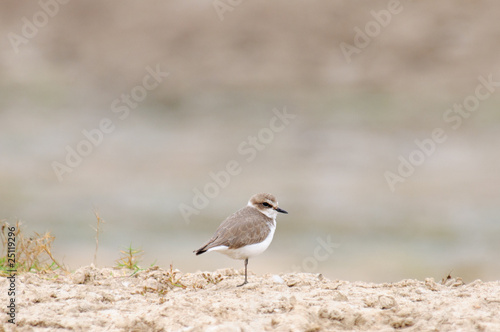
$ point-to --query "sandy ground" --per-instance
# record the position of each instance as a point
(108, 299)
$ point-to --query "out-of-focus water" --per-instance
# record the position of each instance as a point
(326, 166)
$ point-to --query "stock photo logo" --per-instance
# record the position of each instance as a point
(373, 28)
(248, 149)
(121, 107)
(223, 6)
(454, 117)
(30, 28)
(322, 252)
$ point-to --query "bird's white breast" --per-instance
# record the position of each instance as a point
(250, 250)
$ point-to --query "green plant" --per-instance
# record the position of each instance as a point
(30, 253)
(97, 230)
(130, 258)
(171, 279)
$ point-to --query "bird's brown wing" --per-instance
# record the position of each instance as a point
(241, 228)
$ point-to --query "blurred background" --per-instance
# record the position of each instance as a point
(67, 67)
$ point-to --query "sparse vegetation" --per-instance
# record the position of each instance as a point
(32, 254)
(172, 280)
(97, 230)
(212, 278)
(167, 280)
(130, 258)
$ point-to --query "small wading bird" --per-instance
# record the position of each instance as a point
(247, 232)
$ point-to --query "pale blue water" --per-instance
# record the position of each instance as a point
(326, 170)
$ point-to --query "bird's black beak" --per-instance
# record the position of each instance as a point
(281, 210)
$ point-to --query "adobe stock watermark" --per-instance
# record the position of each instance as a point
(221, 7)
(454, 117)
(372, 29)
(249, 149)
(31, 27)
(323, 251)
(122, 107)
(11, 268)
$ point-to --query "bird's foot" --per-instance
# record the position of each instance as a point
(244, 283)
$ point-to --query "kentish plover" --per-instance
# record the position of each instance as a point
(247, 232)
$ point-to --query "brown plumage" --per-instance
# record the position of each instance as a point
(243, 227)
(247, 232)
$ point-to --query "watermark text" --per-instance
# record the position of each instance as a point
(11, 277)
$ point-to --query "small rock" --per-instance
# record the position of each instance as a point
(226, 327)
(339, 296)
(277, 279)
(431, 284)
(453, 282)
(78, 278)
(331, 314)
(151, 283)
(387, 302)
(84, 275)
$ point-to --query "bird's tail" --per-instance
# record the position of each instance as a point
(200, 251)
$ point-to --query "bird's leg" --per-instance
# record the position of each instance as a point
(245, 282)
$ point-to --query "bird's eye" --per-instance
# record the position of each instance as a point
(266, 204)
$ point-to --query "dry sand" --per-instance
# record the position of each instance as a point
(109, 299)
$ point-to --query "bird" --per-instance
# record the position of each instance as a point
(247, 232)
